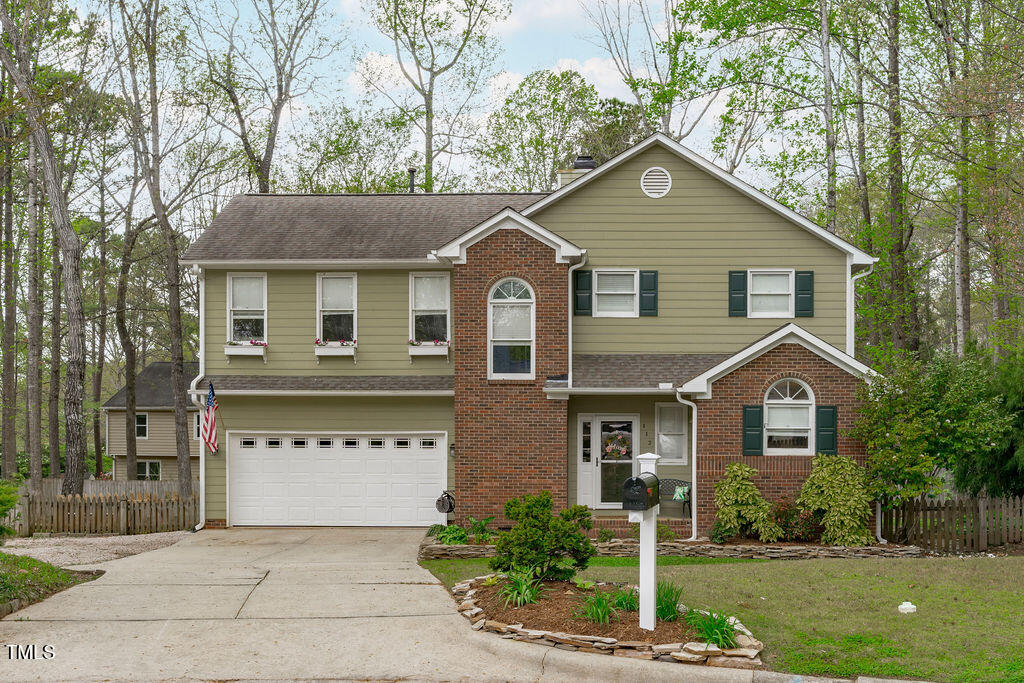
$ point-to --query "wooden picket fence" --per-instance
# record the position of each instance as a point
(956, 525)
(103, 514)
(50, 486)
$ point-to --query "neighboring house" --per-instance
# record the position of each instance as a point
(154, 425)
(655, 303)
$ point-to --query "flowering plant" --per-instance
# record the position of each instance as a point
(257, 342)
(340, 342)
(436, 342)
(251, 342)
(617, 446)
(319, 342)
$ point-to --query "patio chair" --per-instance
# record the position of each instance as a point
(668, 490)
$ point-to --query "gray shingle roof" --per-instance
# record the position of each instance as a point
(222, 383)
(644, 370)
(153, 386)
(351, 227)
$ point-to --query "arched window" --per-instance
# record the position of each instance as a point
(788, 418)
(510, 330)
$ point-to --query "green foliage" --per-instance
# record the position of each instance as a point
(556, 545)
(796, 524)
(522, 587)
(665, 532)
(720, 533)
(598, 608)
(452, 534)
(741, 507)
(605, 535)
(8, 499)
(583, 584)
(478, 529)
(434, 529)
(667, 599)
(713, 628)
(837, 487)
(921, 418)
(626, 600)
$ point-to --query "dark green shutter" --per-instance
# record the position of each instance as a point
(826, 430)
(753, 430)
(738, 293)
(648, 292)
(582, 286)
(804, 293)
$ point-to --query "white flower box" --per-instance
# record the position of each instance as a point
(245, 350)
(428, 349)
(330, 350)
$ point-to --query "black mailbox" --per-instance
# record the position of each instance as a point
(641, 492)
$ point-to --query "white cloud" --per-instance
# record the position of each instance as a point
(534, 14)
(376, 72)
(350, 9)
(501, 86)
(600, 71)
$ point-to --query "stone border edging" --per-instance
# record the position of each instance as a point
(630, 548)
(745, 656)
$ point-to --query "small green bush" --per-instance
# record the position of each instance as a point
(713, 628)
(626, 600)
(478, 529)
(665, 532)
(434, 529)
(555, 545)
(837, 488)
(667, 599)
(453, 534)
(583, 584)
(598, 608)
(605, 535)
(741, 507)
(796, 524)
(720, 533)
(521, 587)
(8, 500)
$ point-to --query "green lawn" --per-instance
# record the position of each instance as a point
(30, 580)
(839, 618)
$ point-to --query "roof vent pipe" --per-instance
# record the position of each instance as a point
(412, 179)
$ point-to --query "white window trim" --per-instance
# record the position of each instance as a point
(685, 460)
(230, 319)
(137, 437)
(811, 430)
(526, 377)
(197, 422)
(355, 305)
(147, 463)
(448, 300)
(635, 272)
(792, 292)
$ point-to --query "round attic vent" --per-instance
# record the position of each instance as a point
(656, 182)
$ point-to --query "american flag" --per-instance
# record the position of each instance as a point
(208, 430)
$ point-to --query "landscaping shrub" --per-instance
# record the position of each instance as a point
(713, 628)
(626, 600)
(796, 524)
(741, 507)
(434, 529)
(605, 535)
(720, 533)
(453, 534)
(665, 532)
(555, 545)
(521, 587)
(598, 608)
(8, 499)
(667, 599)
(837, 487)
(478, 529)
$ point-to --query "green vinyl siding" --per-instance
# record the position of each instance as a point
(693, 237)
(382, 317)
(320, 414)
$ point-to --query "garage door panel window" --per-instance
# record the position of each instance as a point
(336, 308)
(430, 307)
(299, 443)
(350, 443)
(325, 443)
(247, 297)
(511, 330)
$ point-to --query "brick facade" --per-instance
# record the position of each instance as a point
(719, 423)
(509, 438)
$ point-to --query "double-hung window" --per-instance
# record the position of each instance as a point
(770, 293)
(336, 307)
(141, 425)
(247, 306)
(511, 330)
(616, 293)
(672, 430)
(147, 470)
(429, 314)
(788, 413)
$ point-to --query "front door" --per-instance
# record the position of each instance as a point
(605, 458)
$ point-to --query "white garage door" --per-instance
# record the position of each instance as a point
(335, 479)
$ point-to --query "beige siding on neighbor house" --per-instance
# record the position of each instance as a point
(693, 237)
(161, 434)
(382, 328)
(331, 414)
(168, 468)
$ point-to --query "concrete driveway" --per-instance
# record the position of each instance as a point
(288, 604)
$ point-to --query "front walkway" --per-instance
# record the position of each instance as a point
(288, 603)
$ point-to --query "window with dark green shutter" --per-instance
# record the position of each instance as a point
(804, 293)
(753, 430)
(648, 292)
(826, 430)
(582, 288)
(738, 293)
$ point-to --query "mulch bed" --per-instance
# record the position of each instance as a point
(556, 609)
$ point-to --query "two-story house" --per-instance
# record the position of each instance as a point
(370, 351)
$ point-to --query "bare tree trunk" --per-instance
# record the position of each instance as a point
(34, 373)
(101, 323)
(127, 347)
(428, 139)
(825, 38)
(8, 440)
(53, 403)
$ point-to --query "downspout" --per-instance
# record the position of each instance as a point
(201, 276)
(693, 464)
(572, 269)
(851, 341)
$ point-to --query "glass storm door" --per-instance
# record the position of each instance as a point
(606, 457)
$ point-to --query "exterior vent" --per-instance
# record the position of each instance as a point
(656, 182)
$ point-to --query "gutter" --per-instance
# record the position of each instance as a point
(851, 341)
(693, 464)
(572, 269)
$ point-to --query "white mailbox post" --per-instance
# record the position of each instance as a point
(648, 520)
